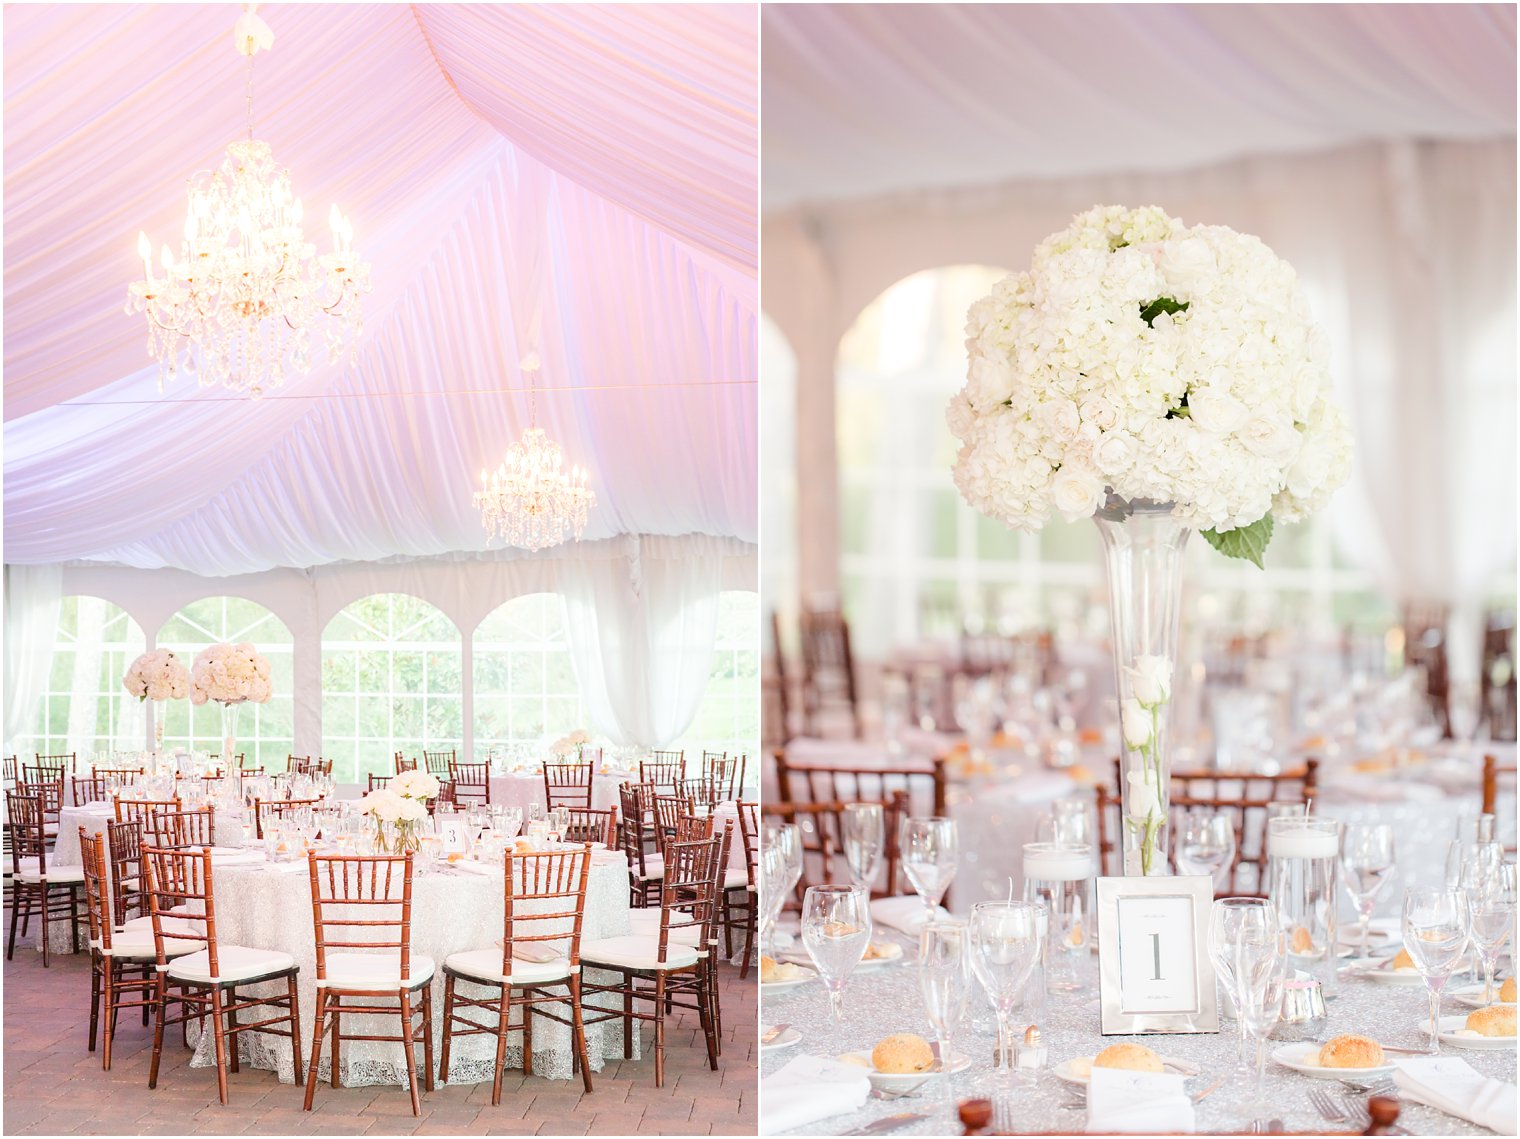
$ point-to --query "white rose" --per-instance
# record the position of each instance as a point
(1136, 722)
(1099, 412)
(410, 810)
(426, 785)
(1150, 679)
(404, 783)
(1310, 469)
(1115, 453)
(1216, 410)
(198, 696)
(1143, 799)
(1270, 437)
(1076, 491)
(1060, 418)
(1187, 259)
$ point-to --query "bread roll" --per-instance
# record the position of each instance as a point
(1403, 960)
(767, 968)
(1351, 1051)
(1495, 1020)
(902, 1054)
(1303, 943)
(1507, 991)
(1134, 1057)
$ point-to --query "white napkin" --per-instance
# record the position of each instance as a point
(470, 866)
(808, 1089)
(1451, 1085)
(1137, 1102)
(905, 913)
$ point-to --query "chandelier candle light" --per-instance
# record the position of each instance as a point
(238, 305)
(1158, 378)
(529, 500)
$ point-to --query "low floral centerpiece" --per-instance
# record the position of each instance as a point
(231, 675)
(1158, 378)
(397, 808)
(158, 676)
(572, 745)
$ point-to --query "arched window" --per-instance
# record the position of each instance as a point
(525, 687)
(729, 717)
(84, 708)
(391, 677)
(265, 732)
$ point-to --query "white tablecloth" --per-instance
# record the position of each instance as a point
(94, 817)
(520, 789)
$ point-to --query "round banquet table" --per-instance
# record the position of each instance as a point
(885, 1000)
(520, 789)
(268, 906)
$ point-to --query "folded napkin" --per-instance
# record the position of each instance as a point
(1144, 1103)
(904, 913)
(1449, 1084)
(808, 1089)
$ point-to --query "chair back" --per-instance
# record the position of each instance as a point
(472, 782)
(179, 880)
(1493, 773)
(138, 810)
(26, 822)
(810, 781)
(264, 809)
(726, 773)
(821, 829)
(568, 784)
(306, 765)
(361, 902)
(665, 774)
(403, 764)
(828, 671)
(590, 825)
(65, 764)
(689, 892)
(12, 771)
(43, 773)
(749, 834)
(97, 896)
(124, 840)
(378, 781)
(446, 797)
(88, 789)
(175, 829)
(438, 763)
(544, 904)
(669, 810)
(702, 790)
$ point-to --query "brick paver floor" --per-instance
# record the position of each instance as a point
(54, 1086)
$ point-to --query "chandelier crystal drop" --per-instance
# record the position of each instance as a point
(241, 302)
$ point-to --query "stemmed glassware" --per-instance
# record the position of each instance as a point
(1490, 897)
(863, 830)
(944, 982)
(1259, 961)
(1206, 843)
(1435, 933)
(930, 852)
(1230, 921)
(780, 871)
(1005, 944)
(1367, 860)
(836, 928)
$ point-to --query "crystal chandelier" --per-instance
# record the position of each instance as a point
(530, 500)
(239, 304)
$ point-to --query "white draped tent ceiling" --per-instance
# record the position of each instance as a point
(578, 181)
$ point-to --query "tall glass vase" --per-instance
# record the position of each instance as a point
(1143, 544)
(229, 735)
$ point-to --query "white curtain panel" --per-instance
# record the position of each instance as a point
(32, 594)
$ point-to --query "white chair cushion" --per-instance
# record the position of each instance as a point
(138, 942)
(654, 867)
(736, 880)
(377, 972)
(485, 965)
(129, 883)
(634, 952)
(31, 871)
(646, 923)
(236, 963)
(136, 923)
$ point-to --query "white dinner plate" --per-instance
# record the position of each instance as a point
(1067, 1071)
(906, 1081)
(1298, 1057)
(1472, 996)
(779, 986)
(893, 951)
(788, 1037)
(1450, 1025)
(1364, 970)
(1384, 932)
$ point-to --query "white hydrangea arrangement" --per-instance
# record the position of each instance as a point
(574, 743)
(230, 674)
(158, 676)
(401, 804)
(1155, 361)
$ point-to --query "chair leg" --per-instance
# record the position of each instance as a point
(219, 1031)
(406, 1045)
(233, 1059)
(627, 1017)
(316, 1049)
(448, 1027)
(503, 1018)
(749, 940)
(295, 1026)
(527, 1038)
(112, 998)
(46, 948)
(580, 1031)
(16, 896)
(160, 1010)
(333, 1074)
(659, 1030)
(706, 990)
(427, 1036)
(95, 986)
(74, 918)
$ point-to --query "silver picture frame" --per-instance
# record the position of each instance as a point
(1153, 936)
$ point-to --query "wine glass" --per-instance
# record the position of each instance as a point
(863, 829)
(781, 870)
(1229, 920)
(929, 855)
(1435, 933)
(1367, 860)
(836, 928)
(1005, 944)
(1490, 895)
(944, 982)
(1206, 844)
(1259, 961)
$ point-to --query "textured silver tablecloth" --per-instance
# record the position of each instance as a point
(886, 1000)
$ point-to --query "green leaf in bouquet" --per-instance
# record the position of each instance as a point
(1160, 305)
(1248, 542)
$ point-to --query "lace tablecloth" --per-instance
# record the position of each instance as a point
(886, 1000)
(452, 911)
(520, 789)
(94, 817)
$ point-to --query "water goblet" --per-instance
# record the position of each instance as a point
(1435, 933)
(863, 829)
(781, 870)
(836, 928)
(944, 982)
(929, 852)
(1367, 859)
(1005, 944)
(1206, 843)
(1490, 897)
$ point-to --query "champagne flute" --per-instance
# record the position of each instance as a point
(836, 928)
(944, 982)
(863, 829)
(1005, 944)
(929, 856)
(1228, 921)
(1260, 964)
(1435, 933)
(1367, 859)
(1206, 844)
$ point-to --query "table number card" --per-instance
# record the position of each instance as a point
(454, 835)
(1156, 973)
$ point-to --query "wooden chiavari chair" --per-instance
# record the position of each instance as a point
(363, 903)
(588, 824)
(665, 774)
(64, 764)
(726, 775)
(204, 981)
(822, 833)
(306, 765)
(444, 798)
(828, 782)
(124, 843)
(1492, 770)
(12, 771)
(741, 902)
(1424, 625)
(1497, 675)
(264, 808)
(828, 672)
(568, 784)
(49, 796)
(536, 970)
(94, 788)
(378, 781)
(669, 810)
(637, 838)
(702, 790)
(472, 783)
(138, 810)
(404, 764)
(662, 969)
(1243, 797)
(124, 961)
(438, 763)
(296, 763)
(179, 829)
(51, 893)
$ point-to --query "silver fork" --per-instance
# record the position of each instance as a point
(1327, 1107)
(1357, 1110)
